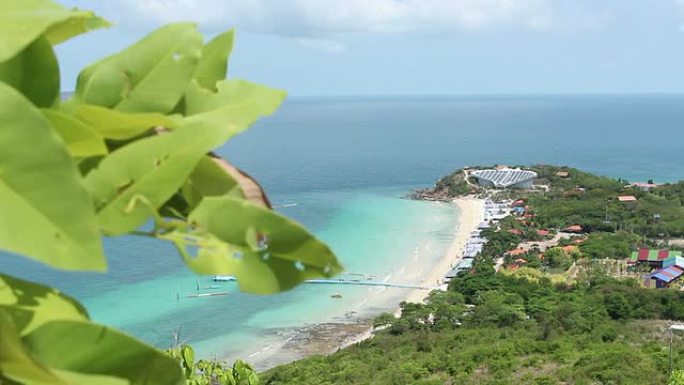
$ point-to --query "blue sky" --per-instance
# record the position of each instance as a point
(419, 47)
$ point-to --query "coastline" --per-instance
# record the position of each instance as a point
(315, 339)
(471, 214)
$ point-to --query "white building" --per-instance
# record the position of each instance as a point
(505, 178)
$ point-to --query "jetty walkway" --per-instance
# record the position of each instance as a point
(367, 283)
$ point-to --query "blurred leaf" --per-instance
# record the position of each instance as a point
(206, 180)
(82, 22)
(213, 177)
(16, 364)
(244, 374)
(81, 139)
(49, 214)
(149, 76)
(23, 21)
(235, 106)
(118, 125)
(34, 72)
(213, 65)
(266, 252)
(32, 305)
(128, 185)
(89, 349)
(251, 189)
(73, 378)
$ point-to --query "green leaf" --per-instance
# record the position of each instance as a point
(23, 21)
(32, 305)
(48, 213)
(265, 251)
(213, 65)
(121, 125)
(35, 73)
(16, 364)
(149, 76)
(80, 23)
(135, 180)
(235, 106)
(81, 139)
(209, 179)
(90, 349)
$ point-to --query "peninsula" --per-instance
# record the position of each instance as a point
(576, 281)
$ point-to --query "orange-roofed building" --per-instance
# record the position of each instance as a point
(516, 252)
(627, 198)
(574, 229)
(569, 248)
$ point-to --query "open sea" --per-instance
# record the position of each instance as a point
(341, 166)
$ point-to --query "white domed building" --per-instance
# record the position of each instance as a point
(505, 178)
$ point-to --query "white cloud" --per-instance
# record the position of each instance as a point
(319, 23)
(310, 18)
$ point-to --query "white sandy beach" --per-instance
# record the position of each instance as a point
(429, 273)
(471, 214)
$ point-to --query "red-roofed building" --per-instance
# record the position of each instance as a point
(543, 233)
(574, 229)
(515, 231)
(644, 186)
(517, 203)
(516, 252)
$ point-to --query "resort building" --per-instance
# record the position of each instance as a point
(464, 265)
(505, 178)
(654, 257)
(672, 271)
(644, 186)
(627, 198)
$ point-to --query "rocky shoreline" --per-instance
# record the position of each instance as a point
(430, 194)
(315, 339)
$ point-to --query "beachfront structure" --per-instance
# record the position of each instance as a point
(505, 178)
(464, 265)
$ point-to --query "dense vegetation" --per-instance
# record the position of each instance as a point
(520, 328)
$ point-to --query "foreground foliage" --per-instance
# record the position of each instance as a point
(130, 152)
(205, 372)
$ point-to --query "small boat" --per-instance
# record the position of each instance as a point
(223, 278)
(336, 295)
(200, 295)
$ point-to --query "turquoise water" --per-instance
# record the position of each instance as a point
(346, 163)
